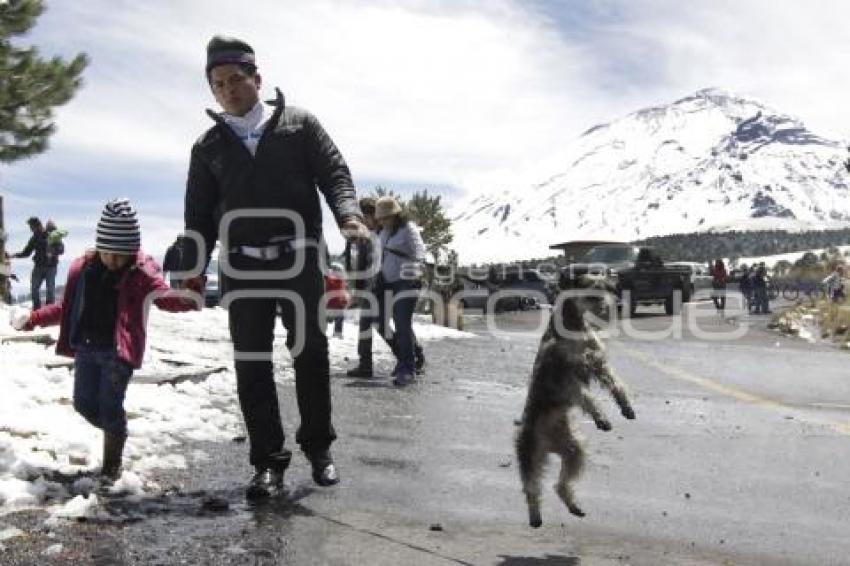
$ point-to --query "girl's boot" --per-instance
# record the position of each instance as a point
(113, 447)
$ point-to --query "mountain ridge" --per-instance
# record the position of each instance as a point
(712, 160)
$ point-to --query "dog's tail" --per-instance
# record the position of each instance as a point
(526, 446)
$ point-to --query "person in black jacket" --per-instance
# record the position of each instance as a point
(42, 270)
(252, 184)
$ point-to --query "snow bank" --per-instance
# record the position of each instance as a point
(45, 446)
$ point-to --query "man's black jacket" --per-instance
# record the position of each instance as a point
(294, 156)
(37, 244)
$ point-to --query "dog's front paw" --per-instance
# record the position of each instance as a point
(576, 510)
(603, 424)
(628, 412)
(534, 519)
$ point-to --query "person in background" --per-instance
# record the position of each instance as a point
(718, 285)
(101, 323)
(337, 297)
(760, 290)
(41, 271)
(746, 287)
(55, 242)
(359, 258)
(834, 284)
(402, 257)
(55, 249)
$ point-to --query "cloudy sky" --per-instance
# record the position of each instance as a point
(453, 96)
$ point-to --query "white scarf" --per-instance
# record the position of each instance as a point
(249, 128)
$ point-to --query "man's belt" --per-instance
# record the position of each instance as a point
(275, 248)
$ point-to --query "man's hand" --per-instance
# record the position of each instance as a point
(195, 284)
(354, 229)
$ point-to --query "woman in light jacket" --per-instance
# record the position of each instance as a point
(402, 257)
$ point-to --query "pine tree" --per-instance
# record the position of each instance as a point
(382, 191)
(30, 86)
(428, 213)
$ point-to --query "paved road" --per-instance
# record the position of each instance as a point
(738, 456)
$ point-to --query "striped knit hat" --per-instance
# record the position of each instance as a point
(118, 229)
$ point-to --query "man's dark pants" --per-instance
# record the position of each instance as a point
(252, 321)
(364, 337)
(41, 274)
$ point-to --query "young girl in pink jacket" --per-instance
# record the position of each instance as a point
(102, 323)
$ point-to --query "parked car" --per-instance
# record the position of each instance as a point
(474, 295)
(524, 279)
(520, 288)
(212, 291)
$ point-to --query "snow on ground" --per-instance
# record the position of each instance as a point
(43, 441)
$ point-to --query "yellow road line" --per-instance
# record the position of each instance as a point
(732, 391)
(830, 405)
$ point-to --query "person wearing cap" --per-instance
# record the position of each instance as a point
(252, 160)
(42, 271)
(359, 258)
(101, 323)
(397, 287)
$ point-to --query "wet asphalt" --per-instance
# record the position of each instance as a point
(738, 456)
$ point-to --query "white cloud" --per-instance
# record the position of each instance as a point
(409, 90)
(473, 94)
(791, 55)
(432, 92)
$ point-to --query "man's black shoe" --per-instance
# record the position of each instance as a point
(279, 461)
(265, 483)
(360, 371)
(324, 470)
(419, 359)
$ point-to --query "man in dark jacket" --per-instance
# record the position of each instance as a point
(252, 184)
(42, 271)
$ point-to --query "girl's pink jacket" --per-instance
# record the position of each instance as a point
(140, 285)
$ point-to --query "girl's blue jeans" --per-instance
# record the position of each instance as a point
(100, 382)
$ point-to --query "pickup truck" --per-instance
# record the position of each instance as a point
(638, 274)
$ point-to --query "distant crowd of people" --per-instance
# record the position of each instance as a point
(753, 284)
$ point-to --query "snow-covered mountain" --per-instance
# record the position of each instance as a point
(710, 161)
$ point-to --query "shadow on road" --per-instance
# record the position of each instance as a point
(375, 383)
(548, 560)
